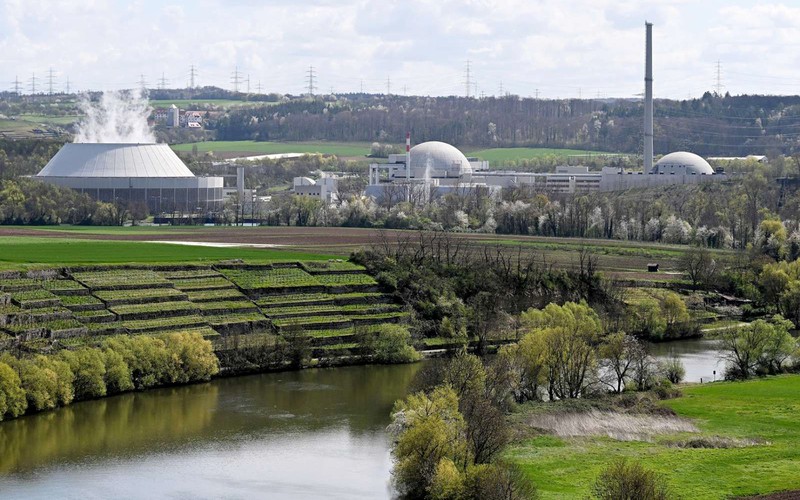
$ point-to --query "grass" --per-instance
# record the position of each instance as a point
(497, 156)
(764, 410)
(19, 252)
(266, 147)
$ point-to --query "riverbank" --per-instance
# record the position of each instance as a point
(747, 443)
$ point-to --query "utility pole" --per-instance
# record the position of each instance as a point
(501, 88)
(258, 87)
(67, 85)
(536, 93)
(467, 81)
(388, 86)
(33, 83)
(50, 79)
(236, 79)
(192, 76)
(310, 77)
(142, 82)
(719, 85)
(16, 86)
(162, 82)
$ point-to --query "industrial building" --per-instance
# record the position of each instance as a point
(134, 173)
(436, 168)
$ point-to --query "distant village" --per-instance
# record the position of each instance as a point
(174, 117)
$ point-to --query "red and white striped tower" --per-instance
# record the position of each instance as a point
(408, 166)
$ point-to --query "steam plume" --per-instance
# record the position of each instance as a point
(119, 117)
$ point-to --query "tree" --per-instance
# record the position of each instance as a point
(698, 265)
(12, 395)
(89, 369)
(673, 370)
(760, 345)
(674, 309)
(568, 333)
(619, 352)
(389, 344)
(428, 429)
(623, 480)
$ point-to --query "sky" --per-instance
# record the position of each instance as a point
(545, 48)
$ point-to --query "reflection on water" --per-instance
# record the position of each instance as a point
(700, 357)
(313, 433)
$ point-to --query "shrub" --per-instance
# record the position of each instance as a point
(630, 481)
(673, 370)
(64, 377)
(12, 395)
(194, 354)
(390, 344)
(39, 385)
(89, 368)
(497, 481)
(118, 374)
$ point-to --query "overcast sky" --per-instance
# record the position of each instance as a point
(563, 48)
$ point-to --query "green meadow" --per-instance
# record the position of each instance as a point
(20, 252)
(501, 155)
(759, 418)
(267, 147)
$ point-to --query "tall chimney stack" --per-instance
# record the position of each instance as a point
(648, 99)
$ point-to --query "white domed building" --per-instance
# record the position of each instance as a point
(436, 168)
(682, 163)
(133, 173)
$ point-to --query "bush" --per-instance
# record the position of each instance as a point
(65, 379)
(89, 369)
(673, 370)
(40, 385)
(194, 355)
(497, 481)
(118, 374)
(12, 395)
(630, 481)
(390, 344)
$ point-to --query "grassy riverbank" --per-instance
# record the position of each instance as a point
(757, 419)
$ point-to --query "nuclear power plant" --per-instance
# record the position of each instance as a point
(151, 174)
(434, 168)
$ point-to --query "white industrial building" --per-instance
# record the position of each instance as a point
(437, 168)
(146, 173)
(325, 188)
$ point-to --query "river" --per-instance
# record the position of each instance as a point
(700, 358)
(316, 433)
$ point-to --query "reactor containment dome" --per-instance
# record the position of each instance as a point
(682, 163)
(439, 159)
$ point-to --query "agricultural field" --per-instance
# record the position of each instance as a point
(498, 156)
(50, 305)
(753, 424)
(245, 148)
(622, 260)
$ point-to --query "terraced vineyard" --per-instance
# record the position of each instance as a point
(329, 302)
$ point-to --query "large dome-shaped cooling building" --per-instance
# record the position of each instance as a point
(133, 173)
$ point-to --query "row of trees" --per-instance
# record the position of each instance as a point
(118, 364)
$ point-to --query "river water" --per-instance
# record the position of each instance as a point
(310, 434)
(316, 433)
(700, 358)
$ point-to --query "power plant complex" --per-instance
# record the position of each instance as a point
(435, 168)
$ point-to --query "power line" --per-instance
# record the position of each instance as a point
(142, 82)
(258, 87)
(310, 77)
(192, 76)
(719, 85)
(388, 86)
(50, 79)
(236, 79)
(33, 83)
(162, 82)
(467, 81)
(16, 85)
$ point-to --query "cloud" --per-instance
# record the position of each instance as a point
(560, 47)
